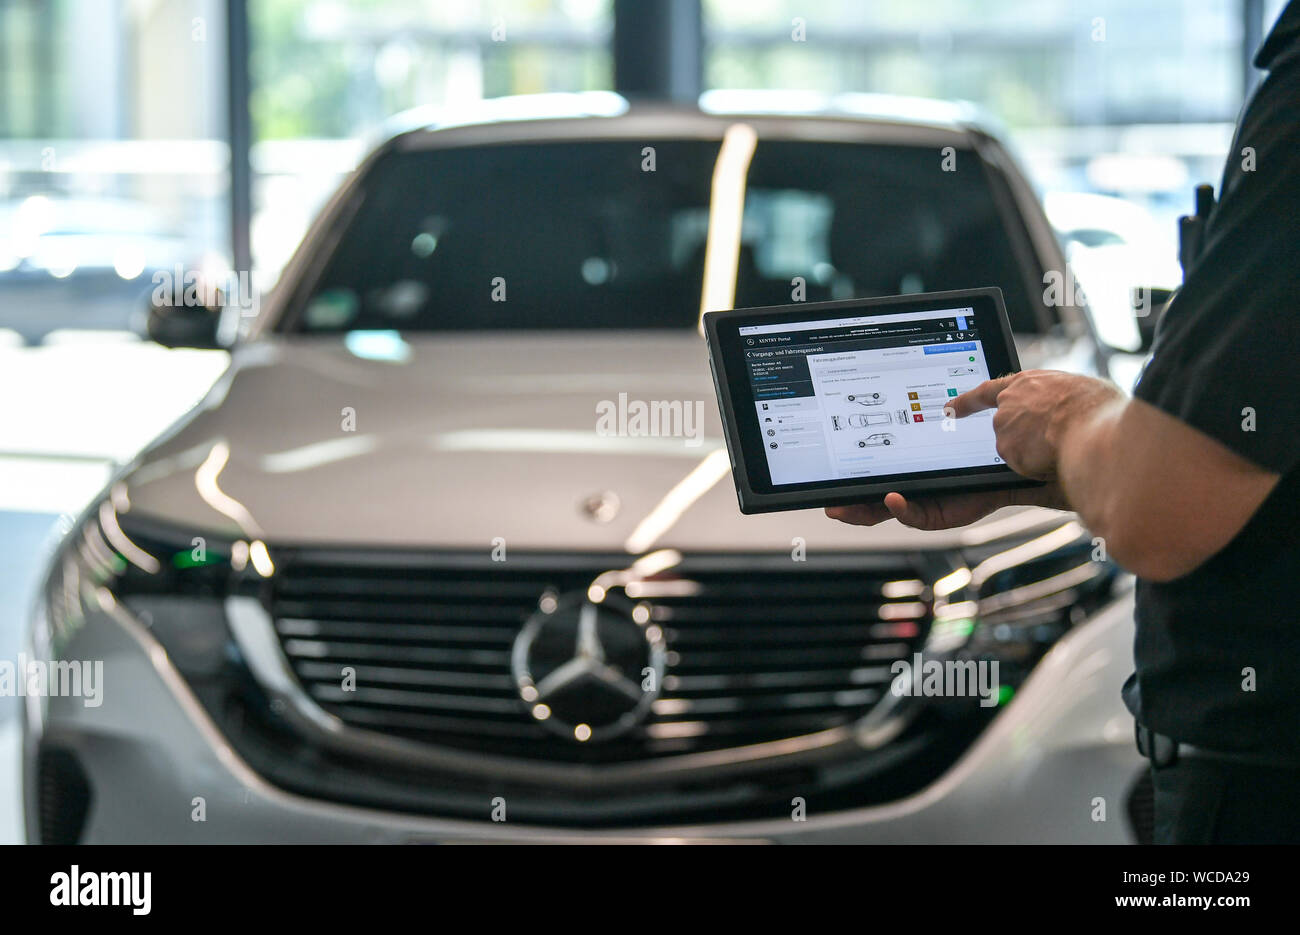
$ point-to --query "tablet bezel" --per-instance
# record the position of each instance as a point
(754, 487)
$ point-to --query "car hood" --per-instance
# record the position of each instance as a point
(473, 440)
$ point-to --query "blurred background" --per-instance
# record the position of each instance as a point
(139, 136)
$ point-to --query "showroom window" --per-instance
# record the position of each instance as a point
(113, 161)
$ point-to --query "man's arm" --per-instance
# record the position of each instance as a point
(1164, 496)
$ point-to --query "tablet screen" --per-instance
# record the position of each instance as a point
(862, 395)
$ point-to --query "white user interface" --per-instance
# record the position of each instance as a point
(865, 396)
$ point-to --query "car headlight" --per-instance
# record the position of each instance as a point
(1009, 603)
(172, 582)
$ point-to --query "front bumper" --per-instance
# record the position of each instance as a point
(1055, 765)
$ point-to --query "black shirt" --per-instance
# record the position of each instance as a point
(1226, 361)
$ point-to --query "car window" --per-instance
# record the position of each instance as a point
(593, 234)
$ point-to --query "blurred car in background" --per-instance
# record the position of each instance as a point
(102, 250)
(1113, 246)
(387, 582)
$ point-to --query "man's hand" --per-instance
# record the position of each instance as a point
(944, 512)
(1035, 409)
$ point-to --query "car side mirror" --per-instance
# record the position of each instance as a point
(1148, 303)
(177, 318)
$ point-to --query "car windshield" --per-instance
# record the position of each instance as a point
(581, 235)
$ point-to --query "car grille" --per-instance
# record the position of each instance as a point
(758, 648)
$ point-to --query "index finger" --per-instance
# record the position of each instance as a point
(984, 396)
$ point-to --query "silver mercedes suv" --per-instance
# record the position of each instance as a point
(395, 580)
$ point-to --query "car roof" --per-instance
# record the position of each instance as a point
(604, 115)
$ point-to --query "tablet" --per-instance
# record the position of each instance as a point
(829, 403)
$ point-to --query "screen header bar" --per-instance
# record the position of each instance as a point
(860, 320)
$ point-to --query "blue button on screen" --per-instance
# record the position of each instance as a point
(949, 348)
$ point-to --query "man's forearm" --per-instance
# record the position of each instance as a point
(1163, 497)
(1096, 478)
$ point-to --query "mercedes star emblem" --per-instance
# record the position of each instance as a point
(589, 671)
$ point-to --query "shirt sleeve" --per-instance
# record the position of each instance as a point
(1226, 358)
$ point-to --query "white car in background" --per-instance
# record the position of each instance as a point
(1114, 247)
(387, 580)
